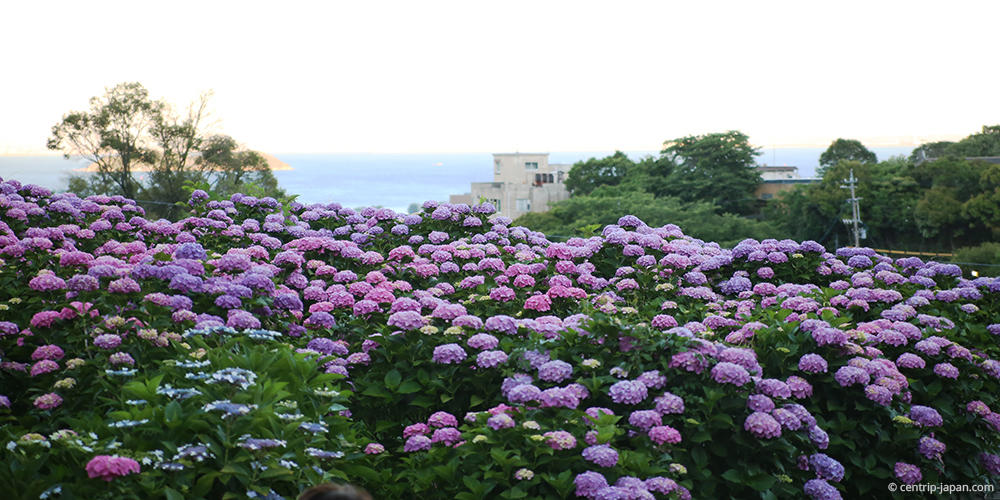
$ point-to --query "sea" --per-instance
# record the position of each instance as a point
(388, 180)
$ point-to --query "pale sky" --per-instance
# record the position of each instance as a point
(468, 76)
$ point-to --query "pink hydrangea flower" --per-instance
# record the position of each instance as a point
(108, 467)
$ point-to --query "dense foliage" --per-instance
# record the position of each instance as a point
(253, 349)
(937, 206)
(943, 198)
(845, 150)
(984, 143)
(702, 183)
(719, 167)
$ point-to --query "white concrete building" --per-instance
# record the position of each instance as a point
(522, 183)
(778, 178)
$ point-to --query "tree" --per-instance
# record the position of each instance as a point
(226, 167)
(985, 143)
(178, 141)
(585, 176)
(125, 131)
(113, 135)
(717, 168)
(929, 151)
(845, 150)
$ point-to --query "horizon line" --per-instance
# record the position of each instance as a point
(803, 145)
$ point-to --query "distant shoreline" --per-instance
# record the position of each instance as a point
(273, 163)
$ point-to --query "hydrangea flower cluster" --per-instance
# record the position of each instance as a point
(412, 319)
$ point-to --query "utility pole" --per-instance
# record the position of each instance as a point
(855, 209)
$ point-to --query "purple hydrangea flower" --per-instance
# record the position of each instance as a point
(669, 403)
(490, 359)
(910, 360)
(812, 363)
(483, 341)
(645, 419)
(799, 386)
(878, 394)
(826, 468)
(931, 448)
(819, 489)
(449, 354)
(418, 442)
(555, 371)
(946, 370)
(730, 373)
(500, 421)
(908, 473)
(628, 392)
(589, 483)
(661, 434)
(990, 462)
(850, 375)
(762, 425)
(601, 455)
(107, 341)
(925, 416)
(760, 402)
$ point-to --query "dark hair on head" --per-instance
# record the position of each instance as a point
(330, 491)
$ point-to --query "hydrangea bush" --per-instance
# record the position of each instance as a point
(252, 349)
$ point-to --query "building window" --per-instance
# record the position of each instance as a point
(495, 202)
(523, 205)
(543, 179)
(560, 176)
(766, 196)
(496, 167)
(531, 165)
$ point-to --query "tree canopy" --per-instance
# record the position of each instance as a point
(717, 168)
(937, 205)
(702, 183)
(125, 132)
(984, 143)
(585, 176)
(845, 150)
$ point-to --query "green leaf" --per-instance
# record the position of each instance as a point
(472, 484)
(761, 482)
(733, 476)
(275, 472)
(515, 492)
(172, 414)
(409, 387)
(700, 457)
(392, 379)
(376, 391)
(172, 494)
(235, 470)
(204, 484)
(500, 457)
(701, 436)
